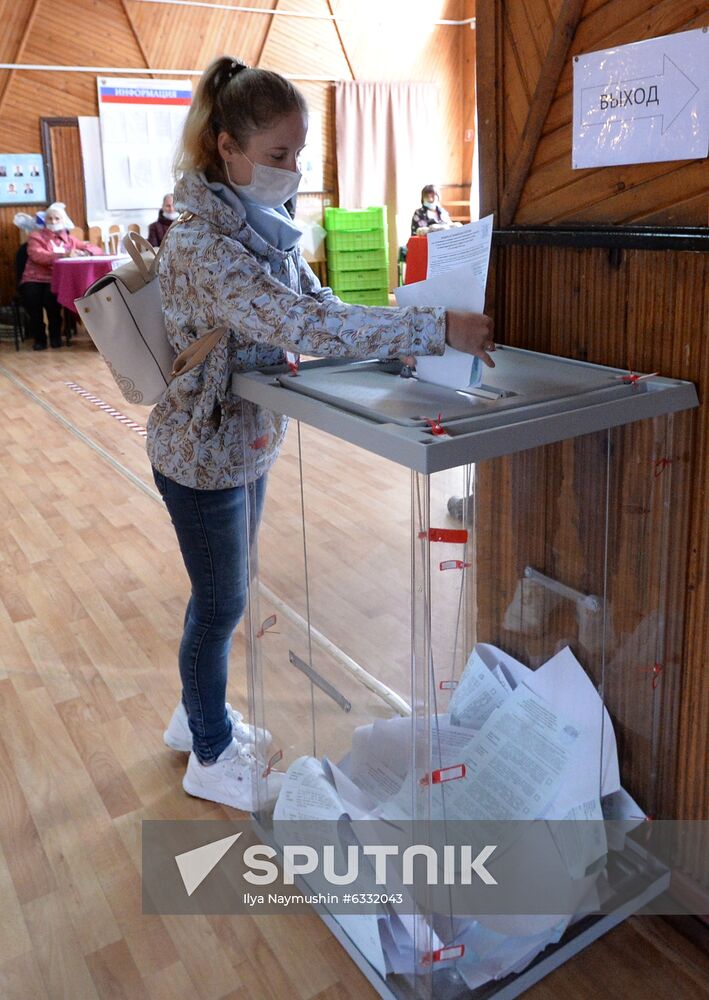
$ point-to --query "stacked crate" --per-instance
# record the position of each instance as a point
(358, 255)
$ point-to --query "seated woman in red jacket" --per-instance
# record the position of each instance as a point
(44, 246)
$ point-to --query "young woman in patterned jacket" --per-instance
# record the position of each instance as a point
(235, 263)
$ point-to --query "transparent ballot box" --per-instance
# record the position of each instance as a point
(464, 635)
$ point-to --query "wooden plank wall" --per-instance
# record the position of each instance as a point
(527, 93)
(611, 309)
(640, 308)
(126, 33)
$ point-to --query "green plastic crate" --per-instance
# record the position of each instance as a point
(357, 260)
(349, 281)
(366, 297)
(349, 220)
(368, 239)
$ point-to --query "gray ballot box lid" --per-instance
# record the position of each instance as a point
(527, 400)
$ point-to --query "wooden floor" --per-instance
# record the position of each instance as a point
(91, 598)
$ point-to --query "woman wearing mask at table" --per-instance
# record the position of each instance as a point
(166, 217)
(44, 247)
(235, 264)
(430, 215)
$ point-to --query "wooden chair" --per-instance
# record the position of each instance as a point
(95, 236)
(115, 237)
(78, 232)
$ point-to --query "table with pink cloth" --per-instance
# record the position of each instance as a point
(71, 276)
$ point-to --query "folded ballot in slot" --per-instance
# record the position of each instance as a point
(454, 640)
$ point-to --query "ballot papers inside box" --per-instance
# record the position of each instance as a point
(464, 610)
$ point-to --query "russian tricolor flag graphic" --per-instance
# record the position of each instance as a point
(144, 95)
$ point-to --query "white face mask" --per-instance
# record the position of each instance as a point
(171, 215)
(430, 204)
(269, 186)
(54, 227)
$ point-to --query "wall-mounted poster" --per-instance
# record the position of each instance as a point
(141, 122)
(22, 179)
(643, 103)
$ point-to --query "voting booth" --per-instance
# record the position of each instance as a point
(474, 621)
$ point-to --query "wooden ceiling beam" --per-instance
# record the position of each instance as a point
(266, 33)
(341, 41)
(564, 31)
(135, 34)
(23, 41)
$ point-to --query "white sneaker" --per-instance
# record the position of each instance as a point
(236, 779)
(178, 735)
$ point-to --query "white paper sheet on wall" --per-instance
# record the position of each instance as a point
(642, 103)
(141, 121)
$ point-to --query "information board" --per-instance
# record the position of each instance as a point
(22, 179)
(141, 123)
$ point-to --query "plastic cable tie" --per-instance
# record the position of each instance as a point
(272, 761)
(655, 670)
(449, 954)
(435, 425)
(443, 774)
(632, 378)
(266, 625)
(454, 564)
(456, 536)
(661, 464)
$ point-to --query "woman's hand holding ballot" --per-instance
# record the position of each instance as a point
(471, 333)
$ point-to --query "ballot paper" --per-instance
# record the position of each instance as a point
(478, 694)
(513, 767)
(355, 803)
(499, 673)
(516, 763)
(514, 671)
(390, 740)
(460, 289)
(449, 248)
(380, 757)
(594, 772)
(307, 793)
(535, 744)
(581, 840)
(622, 814)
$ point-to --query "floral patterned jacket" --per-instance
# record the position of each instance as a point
(216, 271)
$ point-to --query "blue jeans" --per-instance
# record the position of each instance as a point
(211, 528)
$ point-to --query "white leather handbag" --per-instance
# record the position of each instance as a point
(122, 312)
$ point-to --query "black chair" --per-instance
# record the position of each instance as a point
(19, 313)
(401, 264)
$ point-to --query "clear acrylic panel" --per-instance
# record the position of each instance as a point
(371, 587)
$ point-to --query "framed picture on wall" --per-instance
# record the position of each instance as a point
(22, 180)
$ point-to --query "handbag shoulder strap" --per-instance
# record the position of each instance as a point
(195, 353)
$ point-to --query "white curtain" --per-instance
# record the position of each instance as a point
(387, 149)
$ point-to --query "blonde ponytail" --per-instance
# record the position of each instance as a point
(232, 97)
